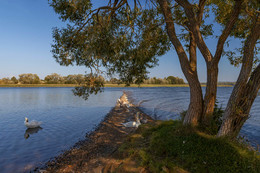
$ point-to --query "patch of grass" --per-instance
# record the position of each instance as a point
(169, 146)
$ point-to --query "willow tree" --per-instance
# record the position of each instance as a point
(127, 37)
(113, 39)
(240, 19)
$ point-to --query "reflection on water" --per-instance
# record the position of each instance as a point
(31, 131)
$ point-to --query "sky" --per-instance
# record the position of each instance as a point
(26, 38)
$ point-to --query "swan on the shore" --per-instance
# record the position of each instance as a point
(32, 124)
(133, 123)
(123, 103)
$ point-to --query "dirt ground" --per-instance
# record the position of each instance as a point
(96, 153)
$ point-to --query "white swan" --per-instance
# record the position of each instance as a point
(32, 124)
(133, 123)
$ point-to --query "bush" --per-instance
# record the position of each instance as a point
(213, 124)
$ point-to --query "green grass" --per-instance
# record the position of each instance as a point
(171, 146)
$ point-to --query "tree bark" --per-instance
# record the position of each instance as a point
(194, 112)
(244, 91)
(212, 62)
(237, 118)
(211, 92)
(195, 109)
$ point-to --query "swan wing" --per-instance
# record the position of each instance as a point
(32, 124)
(129, 124)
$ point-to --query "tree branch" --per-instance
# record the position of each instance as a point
(193, 53)
(202, 4)
(173, 37)
(195, 28)
(226, 32)
(248, 55)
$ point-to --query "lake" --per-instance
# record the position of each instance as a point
(67, 118)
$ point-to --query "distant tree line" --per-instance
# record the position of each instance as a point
(78, 79)
(23, 79)
(53, 78)
(168, 80)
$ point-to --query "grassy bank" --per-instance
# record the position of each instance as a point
(106, 85)
(171, 147)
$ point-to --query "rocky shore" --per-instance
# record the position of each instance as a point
(97, 153)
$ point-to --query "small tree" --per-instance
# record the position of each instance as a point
(80, 79)
(75, 79)
(54, 78)
(29, 78)
(7, 81)
(14, 80)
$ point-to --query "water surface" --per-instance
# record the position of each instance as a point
(67, 118)
(166, 103)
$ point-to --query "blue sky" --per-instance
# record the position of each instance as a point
(26, 38)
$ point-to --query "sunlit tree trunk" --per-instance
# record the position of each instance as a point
(188, 67)
(194, 111)
(211, 61)
(245, 91)
(238, 114)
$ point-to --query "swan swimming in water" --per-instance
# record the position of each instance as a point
(32, 124)
(133, 123)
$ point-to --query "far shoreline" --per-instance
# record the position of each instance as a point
(106, 85)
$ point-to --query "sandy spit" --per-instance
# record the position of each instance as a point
(95, 154)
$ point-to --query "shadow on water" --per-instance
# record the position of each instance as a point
(31, 131)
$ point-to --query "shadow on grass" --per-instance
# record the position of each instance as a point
(171, 147)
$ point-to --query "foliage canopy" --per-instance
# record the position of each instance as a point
(125, 43)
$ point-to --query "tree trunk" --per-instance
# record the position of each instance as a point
(196, 97)
(244, 91)
(194, 112)
(212, 62)
(240, 113)
(211, 92)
